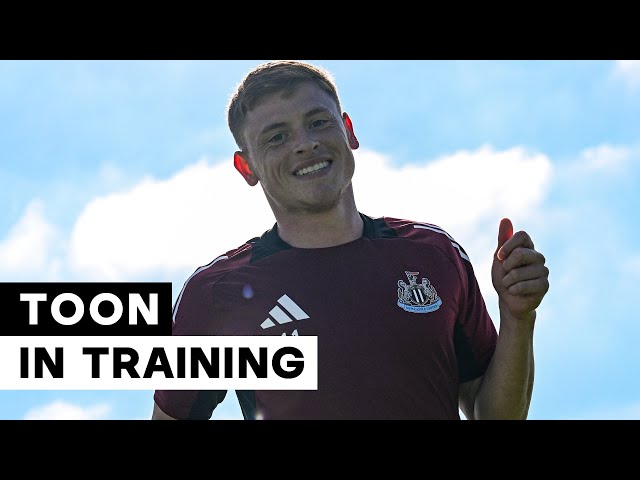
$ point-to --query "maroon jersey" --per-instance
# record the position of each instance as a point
(398, 313)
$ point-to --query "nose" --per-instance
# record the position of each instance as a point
(305, 142)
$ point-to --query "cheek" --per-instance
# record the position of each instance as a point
(270, 173)
(349, 159)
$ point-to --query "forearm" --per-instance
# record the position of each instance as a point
(507, 385)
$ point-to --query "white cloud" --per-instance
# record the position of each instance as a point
(60, 410)
(458, 191)
(27, 248)
(167, 225)
(628, 71)
(604, 158)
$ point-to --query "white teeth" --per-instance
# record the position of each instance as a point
(312, 168)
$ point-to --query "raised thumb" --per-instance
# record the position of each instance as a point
(505, 232)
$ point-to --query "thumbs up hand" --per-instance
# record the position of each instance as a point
(518, 273)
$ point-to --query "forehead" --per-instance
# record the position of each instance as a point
(286, 107)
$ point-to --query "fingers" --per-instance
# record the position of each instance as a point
(519, 274)
(524, 274)
(519, 239)
(537, 287)
(522, 256)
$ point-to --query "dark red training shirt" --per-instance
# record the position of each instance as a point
(398, 313)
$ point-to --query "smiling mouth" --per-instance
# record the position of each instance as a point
(313, 168)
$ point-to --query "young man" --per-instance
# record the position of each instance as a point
(403, 331)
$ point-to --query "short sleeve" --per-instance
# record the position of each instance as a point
(475, 335)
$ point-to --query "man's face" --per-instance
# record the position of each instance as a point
(298, 148)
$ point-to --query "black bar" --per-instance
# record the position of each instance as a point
(16, 316)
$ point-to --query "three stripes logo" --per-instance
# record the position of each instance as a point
(284, 312)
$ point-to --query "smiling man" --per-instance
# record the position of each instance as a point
(403, 331)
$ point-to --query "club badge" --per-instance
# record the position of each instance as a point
(417, 297)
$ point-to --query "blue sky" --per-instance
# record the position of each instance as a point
(121, 171)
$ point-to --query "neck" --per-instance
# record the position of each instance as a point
(342, 224)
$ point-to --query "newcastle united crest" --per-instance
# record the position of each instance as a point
(417, 297)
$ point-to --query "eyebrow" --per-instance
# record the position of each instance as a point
(310, 113)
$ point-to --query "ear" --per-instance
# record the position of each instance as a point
(353, 141)
(243, 167)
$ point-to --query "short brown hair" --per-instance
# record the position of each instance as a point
(269, 78)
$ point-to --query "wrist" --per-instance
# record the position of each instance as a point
(524, 321)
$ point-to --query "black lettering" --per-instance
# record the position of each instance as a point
(158, 353)
(199, 358)
(41, 357)
(24, 362)
(181, 362)
(129, 365)
(95, 353)
(228, 362)
(298, 365)
(245, 356)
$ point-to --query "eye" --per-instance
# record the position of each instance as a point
(318, 123)
(277, 138)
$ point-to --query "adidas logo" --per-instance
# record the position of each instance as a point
(283, 313)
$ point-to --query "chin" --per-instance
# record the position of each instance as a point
(317, 205)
